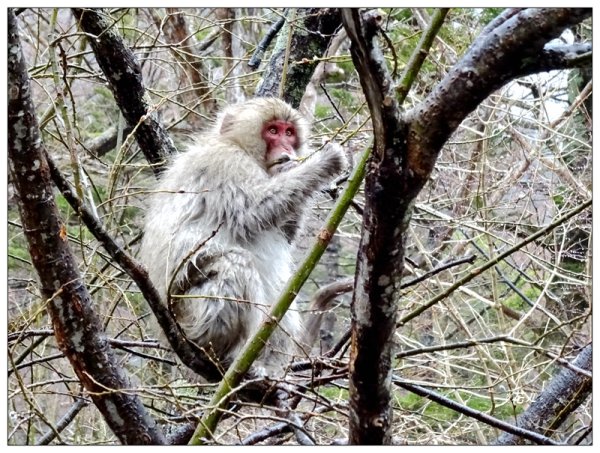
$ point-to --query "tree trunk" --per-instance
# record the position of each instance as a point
(77, 328)
(318, 26)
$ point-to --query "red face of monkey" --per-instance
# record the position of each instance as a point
(282, 141)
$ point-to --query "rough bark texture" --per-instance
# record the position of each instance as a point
(404, 152)
(124, 78)
(559, 399)
(310, 39)
(77, 328)
(512, 49)
(381, 254)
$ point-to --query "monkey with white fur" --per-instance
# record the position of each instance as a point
(243, 180)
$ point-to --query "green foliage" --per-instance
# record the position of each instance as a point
(488, 14)
(346, 65)
(334, 393)
(478, 202)
(559, 197)
(415, 403)
(64, 208)
(410, 402)
(516, 302)
(574, 266)
(400, 14)
(345, 97)
(17, 253)
(322, 111)
(487, 406)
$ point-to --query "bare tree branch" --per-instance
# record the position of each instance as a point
(187, 351)
(481, 339)
(510, 50)
(264, 43)
(64, 421)
(191, 68)
(105, 142)
(125, 81)
(478, 415)
(388, 195)
(405, 150)
(76, 326)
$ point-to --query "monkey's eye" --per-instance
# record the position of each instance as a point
(273, 130)
(289, 132)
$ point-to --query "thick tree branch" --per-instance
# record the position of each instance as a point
(264, 43)
(512, 49)
(559, 399)
(499, 20)
(405, 151)
(374, 77)
(561, 57)
(309, 40)
(388, 204)
(77, 329)
(124, 78)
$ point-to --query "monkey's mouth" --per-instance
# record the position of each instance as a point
(279, 161)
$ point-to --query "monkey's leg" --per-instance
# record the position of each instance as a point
(221, 312)
(227, 303)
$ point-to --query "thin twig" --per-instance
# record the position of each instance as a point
(491, 263)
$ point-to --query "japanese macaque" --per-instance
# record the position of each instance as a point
(219, 226)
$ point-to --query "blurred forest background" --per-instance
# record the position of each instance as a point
(463, 357)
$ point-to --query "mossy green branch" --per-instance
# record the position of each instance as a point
(418, 56)
(254, 346)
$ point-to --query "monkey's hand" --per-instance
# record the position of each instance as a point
(334, 157)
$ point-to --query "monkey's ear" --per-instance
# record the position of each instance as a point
(227, 122)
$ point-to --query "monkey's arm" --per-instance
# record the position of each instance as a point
(275, 201)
